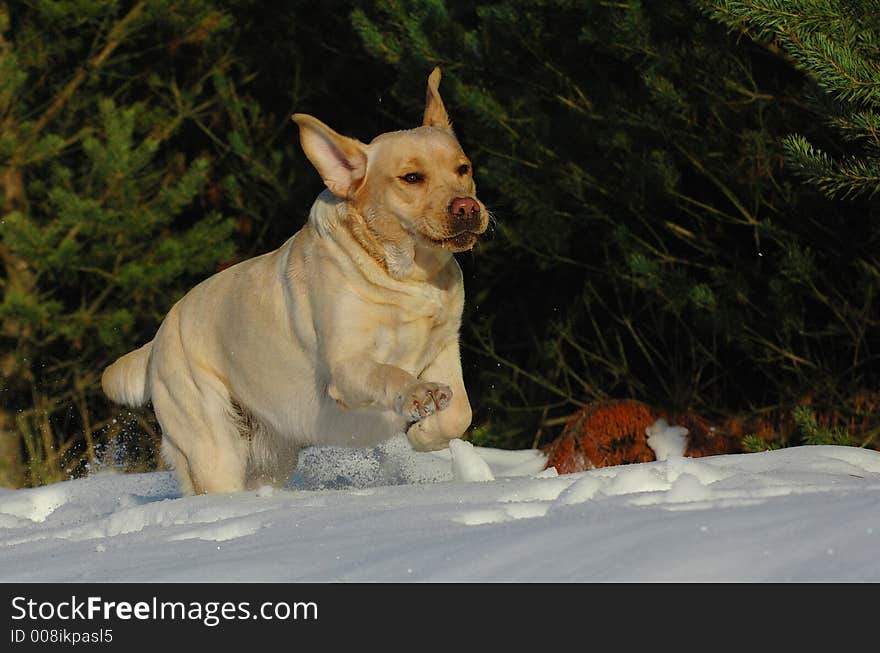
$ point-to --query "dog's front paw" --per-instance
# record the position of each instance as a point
(422, 399)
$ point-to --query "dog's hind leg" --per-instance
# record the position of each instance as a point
(271, 467)
(285, 463)
(200, 438)
(271, 459)
(177, 461)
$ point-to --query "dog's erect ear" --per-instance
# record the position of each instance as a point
(341, 161)
(435, 112)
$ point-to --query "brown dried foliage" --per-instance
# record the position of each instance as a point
(613, 432)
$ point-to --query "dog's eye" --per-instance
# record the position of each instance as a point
(413, 178)
(463, 169)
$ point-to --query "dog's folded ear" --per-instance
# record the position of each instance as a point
(435, 112)
(341, 161)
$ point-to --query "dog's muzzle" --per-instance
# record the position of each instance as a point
(465, 214)
(465, 221)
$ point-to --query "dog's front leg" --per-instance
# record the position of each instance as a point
(435, 431)
(360, 382)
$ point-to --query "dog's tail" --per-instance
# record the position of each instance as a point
(125, 381)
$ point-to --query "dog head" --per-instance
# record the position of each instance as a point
(405, 191)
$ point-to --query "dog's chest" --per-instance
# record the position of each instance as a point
(413, 332)
(431, 305)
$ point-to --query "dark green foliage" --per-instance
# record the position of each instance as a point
(649, 241)
(125, 155)
(754, 444)
(837, 44)
(810, 432)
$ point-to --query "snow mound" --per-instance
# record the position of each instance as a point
(467, 465)
(665, 440)
(395, 463)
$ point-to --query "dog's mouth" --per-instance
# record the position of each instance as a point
(458, 243)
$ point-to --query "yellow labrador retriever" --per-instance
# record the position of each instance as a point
(345, 335)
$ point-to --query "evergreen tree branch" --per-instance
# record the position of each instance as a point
(117, 35)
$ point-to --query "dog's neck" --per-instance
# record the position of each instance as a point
(398, 255)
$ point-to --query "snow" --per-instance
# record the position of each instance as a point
(467, 464)
(666, 440)
(798, 514)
